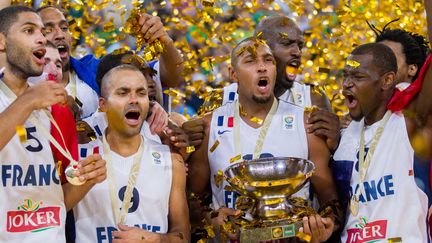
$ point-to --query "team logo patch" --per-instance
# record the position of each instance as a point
(367, 231)
(32, 217)
(288, 122)
(157, 158)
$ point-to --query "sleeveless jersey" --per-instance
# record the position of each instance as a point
(230, 93)
(94, 218)
(300, 90)
(391, 204)
(31, 197)
(287, 125)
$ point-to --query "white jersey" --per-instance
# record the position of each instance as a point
(287, 125)
(391, 205)
(230, 93)
(94, 218)
(299, 94)
(31, 197)
(300, 90)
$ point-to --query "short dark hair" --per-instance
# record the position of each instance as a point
(415, 47)
(269, 25)
(118, 58)
(9, 15)
(382, 56)
(63, 11)
(235, 51)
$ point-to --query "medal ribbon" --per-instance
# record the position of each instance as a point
(294, 97)
(263, 131)
(120, 214)
(364, 163)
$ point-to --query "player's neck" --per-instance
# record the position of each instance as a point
(254, 109)
(279, 91)
(123, 145)
(65, 79)
(15, 81)
(375, 115)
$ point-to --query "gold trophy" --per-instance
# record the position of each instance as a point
(265, 186)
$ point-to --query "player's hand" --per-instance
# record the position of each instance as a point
(92, 169)
(158, 120)
(319, 228)
(222, 218)
(177, 136)
(134, 235)
(194, 128)
(45, 94)
(153, 29)
(325, 124)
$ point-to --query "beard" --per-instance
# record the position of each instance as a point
(20, 66)
(262, 100)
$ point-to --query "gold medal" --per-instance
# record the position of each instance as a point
(354, 205)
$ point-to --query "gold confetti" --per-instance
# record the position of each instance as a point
(190, 149)
(259, 35)
(59, 168)
(395, 239)
(303, 236)
(283, 35)
(291, 70)
(210, 231)
(214, 146)
(218, 178)
(208, 3)
(353, 63)
(235, 158)
(323, 70)
(256, 120)
(22, 133)
(242, 110)
(310, 109)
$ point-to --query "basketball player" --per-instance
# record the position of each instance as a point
(146, 182)
(282, 130)
(32, 200)
(385, 202)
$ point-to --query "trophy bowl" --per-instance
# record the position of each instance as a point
(270, 182)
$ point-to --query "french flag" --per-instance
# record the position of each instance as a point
(84, 152)
(224, 121)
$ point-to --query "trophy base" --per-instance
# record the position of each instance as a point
(280, 230)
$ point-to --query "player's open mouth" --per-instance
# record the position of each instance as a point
(132, 117)
(263, 86)
(291, 69)
(39, 55)
(63, 50)
(350, 101)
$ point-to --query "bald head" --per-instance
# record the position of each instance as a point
(274, 28)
